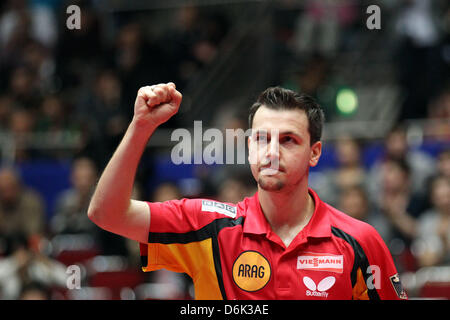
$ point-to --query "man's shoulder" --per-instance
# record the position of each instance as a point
(215, 207)
(344, 224)
(224, 208)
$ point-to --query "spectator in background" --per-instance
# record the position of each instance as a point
(52, 115)
(438, 118)
(102, 112)
(178, 40)
(192, 41)
(422, 165)
(78, 52)
(166, 191)
(420, 71)
(21, 209)
(40, 60)
(21, 125)
(312, 79)
(349, 171)
(6, 108)
(397, 201)
(35, 291)
(104, 102)
(132, 57)
(400, 206)
(55, 123)
(432, 245)
(71, 205)
(129, 59)
(319, 26)
(24, 267)
(233, 190)
(443, 163)
(22, 22)
(215, 177)
(354, 201)
(23, 88)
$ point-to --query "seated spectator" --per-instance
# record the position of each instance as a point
(103, 113)
(432, 245)
(396, 147)
(349, 172)
(21, 209)
(37, 21)
(72, 204)
(24, 266)
(438, 117)
(354, 201)
(318, 28)
(397, 200)
(23, 87)
(6, 107)
(35, 291)
(71, 207)
(401, 207)
(443, 163)
(166, 191)
(233, 190)
(21, 125)
(52, 115)
(39, 59)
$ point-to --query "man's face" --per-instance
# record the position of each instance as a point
(9, 187)
(280, 153)
(393, 178)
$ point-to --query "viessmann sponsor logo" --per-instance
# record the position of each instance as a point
(321, 262)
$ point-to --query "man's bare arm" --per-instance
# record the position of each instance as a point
(111, 206)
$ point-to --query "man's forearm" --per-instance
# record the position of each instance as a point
(112, 195)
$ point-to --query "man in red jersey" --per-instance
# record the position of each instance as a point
(281, 243)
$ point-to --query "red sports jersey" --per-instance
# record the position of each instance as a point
(231, 252)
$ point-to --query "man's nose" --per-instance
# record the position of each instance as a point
(273, 149)
(272, 154)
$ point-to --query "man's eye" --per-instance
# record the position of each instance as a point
(262, 138)
(287, 139)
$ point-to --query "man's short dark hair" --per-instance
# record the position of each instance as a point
(278, 98)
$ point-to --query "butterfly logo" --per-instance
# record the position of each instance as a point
(320, 289)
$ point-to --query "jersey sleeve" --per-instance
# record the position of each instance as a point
(175, 216)
(381, 279)
(180, 235)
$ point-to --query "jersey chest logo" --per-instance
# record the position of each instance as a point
(321, 262)
(251, 271)
(320, 289)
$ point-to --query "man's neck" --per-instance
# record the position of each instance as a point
(287, 212)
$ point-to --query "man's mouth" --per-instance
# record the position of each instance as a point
(269, 170)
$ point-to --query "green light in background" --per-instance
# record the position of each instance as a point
(346, 101)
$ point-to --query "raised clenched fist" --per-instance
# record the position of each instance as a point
(155, 104)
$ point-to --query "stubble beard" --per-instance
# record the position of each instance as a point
(266, 185)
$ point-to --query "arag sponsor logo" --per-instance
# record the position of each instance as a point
(320, 289)
(251, 271)
(321, 262)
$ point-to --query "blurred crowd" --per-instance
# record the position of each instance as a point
(83, 83)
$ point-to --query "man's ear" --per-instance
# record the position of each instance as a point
(316, 152)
